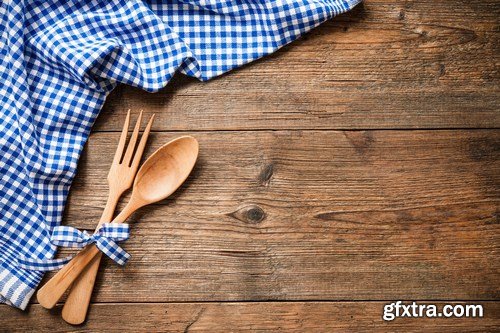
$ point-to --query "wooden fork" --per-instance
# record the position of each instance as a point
(120, 178)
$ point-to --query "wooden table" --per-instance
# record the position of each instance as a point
(357, 166)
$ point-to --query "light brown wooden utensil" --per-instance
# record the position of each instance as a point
(158, 177)
(120, 178)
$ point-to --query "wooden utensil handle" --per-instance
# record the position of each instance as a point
(53, 290)
(76, 306)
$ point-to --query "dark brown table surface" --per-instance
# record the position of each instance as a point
(357, 166)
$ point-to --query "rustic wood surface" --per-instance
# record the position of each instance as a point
(324, 317)
(314, 215)
(357, 166)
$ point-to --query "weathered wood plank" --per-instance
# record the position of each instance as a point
(414, 64)
(311, 215)
(251, 317)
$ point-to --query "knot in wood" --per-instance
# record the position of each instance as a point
(249, 214)
(266, 174)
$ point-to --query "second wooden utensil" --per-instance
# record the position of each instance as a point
(120, 178)
(158, 177)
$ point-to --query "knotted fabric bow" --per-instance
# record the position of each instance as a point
(105, 239)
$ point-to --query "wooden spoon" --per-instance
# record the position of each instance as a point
(160, 175)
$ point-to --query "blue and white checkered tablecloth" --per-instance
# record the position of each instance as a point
(60, 59)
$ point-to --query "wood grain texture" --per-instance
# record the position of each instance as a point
(386, 64)
(247, 317)
(311, 215)
(328, 184)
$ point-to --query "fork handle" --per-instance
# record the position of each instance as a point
(52, 291)
(76, 306)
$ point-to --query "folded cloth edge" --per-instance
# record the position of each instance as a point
(17, 285)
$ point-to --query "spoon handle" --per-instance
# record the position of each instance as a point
(75, 308)
(54, 289)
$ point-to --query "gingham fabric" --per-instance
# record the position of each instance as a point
(105, 239)
(60, 59)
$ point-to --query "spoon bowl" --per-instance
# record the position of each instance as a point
(164, 171)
